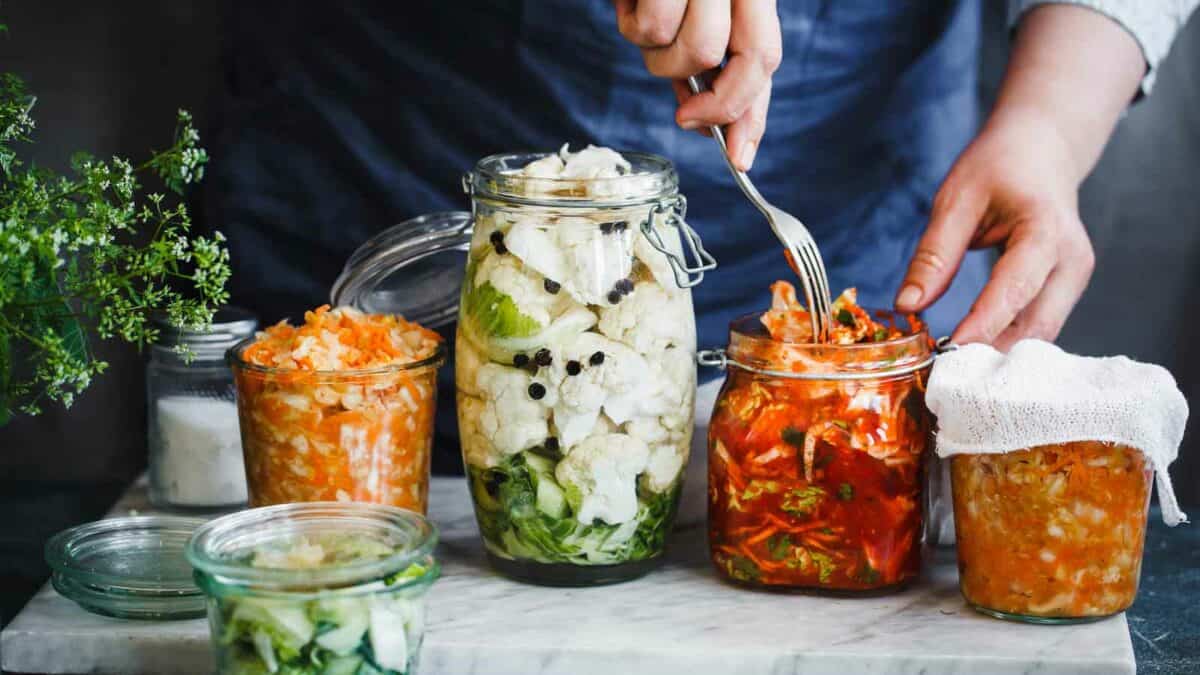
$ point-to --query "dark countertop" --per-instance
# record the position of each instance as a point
(1164, 622)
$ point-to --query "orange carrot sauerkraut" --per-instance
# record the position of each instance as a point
(816, 481)
(339, 408)
(1055, 531)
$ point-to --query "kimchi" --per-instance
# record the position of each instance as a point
(340, 408)
(1052, 532)
(816, 449)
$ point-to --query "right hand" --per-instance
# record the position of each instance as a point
(681, 38)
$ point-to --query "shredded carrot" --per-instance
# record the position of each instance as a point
(316, 428)
(1052, 531)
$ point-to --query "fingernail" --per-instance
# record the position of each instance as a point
(909, 296)
(690, 125)
(746, 156)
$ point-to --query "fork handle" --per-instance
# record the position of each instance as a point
(698, 86)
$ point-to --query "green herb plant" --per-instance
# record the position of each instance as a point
(88, 252)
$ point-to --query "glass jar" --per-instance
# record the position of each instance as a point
(316, 587)
(575, 367)
(816, 461)
(1051, 534)
(325, 435)
(195, 452)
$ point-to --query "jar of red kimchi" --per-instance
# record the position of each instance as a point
(817, 455)
(1051, 534)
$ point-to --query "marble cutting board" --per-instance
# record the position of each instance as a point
(680, 619)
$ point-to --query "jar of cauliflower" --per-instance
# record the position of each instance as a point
(575, 361)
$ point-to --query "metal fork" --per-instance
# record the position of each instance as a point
(805, 258)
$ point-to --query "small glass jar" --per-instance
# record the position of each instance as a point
(316, 587)
(1051, 534)
(816, 461)
(195, 450)
(325, 435)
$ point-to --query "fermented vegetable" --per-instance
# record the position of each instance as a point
(816, 482)
(1054, 531)
(340, 408)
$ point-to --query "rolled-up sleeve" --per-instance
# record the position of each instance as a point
(1153, 23)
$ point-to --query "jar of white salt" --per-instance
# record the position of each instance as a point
(194, 442)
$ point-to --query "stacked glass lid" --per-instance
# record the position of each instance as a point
(131, 567)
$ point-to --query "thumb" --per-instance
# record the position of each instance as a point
(952, 224)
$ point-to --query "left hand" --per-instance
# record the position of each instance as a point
(1014, 188)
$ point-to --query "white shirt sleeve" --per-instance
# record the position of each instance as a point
(1153, 23)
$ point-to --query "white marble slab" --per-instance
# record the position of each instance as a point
(680, 619)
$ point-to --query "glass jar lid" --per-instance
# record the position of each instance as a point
(131, 567)
(313, 547)
(413, 269)
(648, 179)
(230, 324)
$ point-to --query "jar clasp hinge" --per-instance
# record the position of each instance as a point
(687, 274)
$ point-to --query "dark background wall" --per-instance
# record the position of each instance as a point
(109, 77)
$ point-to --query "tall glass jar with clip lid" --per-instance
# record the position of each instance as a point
(574, 351)
(195, 449)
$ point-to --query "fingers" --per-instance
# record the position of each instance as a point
(743, 135)
(1045, 316)
(650, 23)
(952, 224)
(1017, 278)
(754, 54)
(698, 46)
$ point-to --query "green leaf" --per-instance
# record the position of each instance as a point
(779, 546)
(802, 501)
(880, 334)
(793, 437)
(845, 318)
(845, 492)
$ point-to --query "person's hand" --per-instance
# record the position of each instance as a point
(1015, 188)
(681, 38)
(1071, 73)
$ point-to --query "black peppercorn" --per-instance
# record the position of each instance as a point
(606, 228)
(614, 296)
(573, 368)
(552, 287)
(497, 240)
(536, 391)
(542, 357)
(596, 359)
(520, 360)
(620, 226)
(625, 286)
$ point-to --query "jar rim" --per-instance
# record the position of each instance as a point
(217, 549)
(236, 360)
(752, 348)
(495, 176)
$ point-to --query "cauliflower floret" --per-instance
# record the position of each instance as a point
(663, 467)
(650, 320)
(620, 375)
(593, 260)
(592, 162)
(477, 448)
(549, 166)
(507, 275)
(511, 419)
(536, 247)
(603, 470)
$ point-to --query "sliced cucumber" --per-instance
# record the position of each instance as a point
(550, 498)
(389, 639)
(502, 350)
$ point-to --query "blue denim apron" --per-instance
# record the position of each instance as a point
(341, 119)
